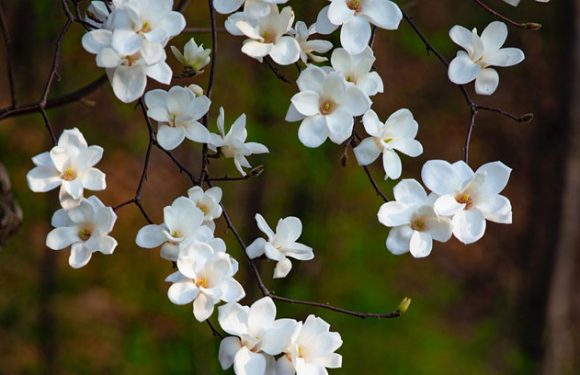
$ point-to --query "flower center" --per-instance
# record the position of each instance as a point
(203, 207)
(228, 151)
(176, 234)
(145, 28)
(465, 199)
(85, 233)
(132, 59)
(69, 174)
(418, 224)
(354, 5)
(269, 37)
(327, 107)
(201, 282)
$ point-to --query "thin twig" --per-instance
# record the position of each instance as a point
(8, 48)
(522, 25)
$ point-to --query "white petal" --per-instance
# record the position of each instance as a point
(283, 268)
(285, 51)
(227, 7)
(313, 131)
(372, 123)
(367, 151)
(96, 40)
(409, 191)
(160, 72)
(383, 13)
(462, 69)
(339, 12)
(447, 205)
(462, 36)
(506, 57)
(42, 179)
(399, 239)
(355, 35)
(468, 226)
(392, 164)
(232, 291)
(487, 82)
(262, 314)
(62, 237)
(293, 115)
(94, 180)
(182, 293)
(494, 36)
(311, 79)
(307, 103)
(496, 178)
(356, 101)
(256, 49)
(339, 124)
(439, 228)
(197, 132)
(150, 236)
(233, 318)
(393, 214)
(421, 244)
(169, 138)
(496, 208)
(439, 177)
(279, 337)
(79, 256)
(249, 363)
(203, 307)
(129, 83)
(323, 24)
(229, 346)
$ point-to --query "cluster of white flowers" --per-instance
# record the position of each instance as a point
(302, 348)
(83, 224)
(129, 39)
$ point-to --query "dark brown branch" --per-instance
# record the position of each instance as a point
(522, 25)
(203, 30)
(8, 48)
(275, 70)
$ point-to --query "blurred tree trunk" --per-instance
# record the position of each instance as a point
(561, 336)
(10, 212)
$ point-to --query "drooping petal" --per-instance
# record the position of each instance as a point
(421, 244)
(79, 256)
(383, 13)
(399, 239)
(285, 51)
(283, 268)
(355, 34)
(486, 82)
(249, 363)
(367, 151)
(313, 131)
(462, 69)
(129, 83)
(392, 164)
(62, 237)
(169, 138)
(229, 346)
(203, 307)
(468, 226)
(182, 293)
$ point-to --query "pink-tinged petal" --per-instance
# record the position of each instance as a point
(421, 244)
(43, 179)
(468, 226)
(409, 191)
(506, 57)
(79, 256)
(182, 293)
(229, 346)
(285, 51)
(487, 81)
(399, 239)
(496, 174)
(392, 164)
(203, 307)
(339, 12)
(60, 238)
(394, 214)
(383, 13)
(462, 69)
(323, 24)
(169, 138)
(307, 103)
(494, 36)
(249, 363)
(447, 205)
(151, 236)
(283, 268)
(367, 151)
(440, 177)
(355, 35)
(313, 131)
(129, 83)
(496, 208)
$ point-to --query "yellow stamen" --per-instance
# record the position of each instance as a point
(327, 107)
(201, 282)
(465, 199)
(69, 174)
(418, 225)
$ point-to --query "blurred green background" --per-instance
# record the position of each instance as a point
(478, 309)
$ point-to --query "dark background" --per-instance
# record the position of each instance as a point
(506, 304)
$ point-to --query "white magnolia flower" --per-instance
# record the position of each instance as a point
(208, 202)
(182, 225)
(233, 144)
(308, 48)
(469, 198)
(516, 2)
(326, 105)
(396, 134)
(355, 16)
(178, 112)
(194, 57)
(259, 336)
(96, 14)
(204, 277)
(280, 245)
(415, 223)
(85, 228)
(130, 44)
(357, 69)
(258, 7)
(312, 350)
(483, 52)
(70, 165)
(266, 37)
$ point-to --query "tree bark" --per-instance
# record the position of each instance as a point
(10, 212)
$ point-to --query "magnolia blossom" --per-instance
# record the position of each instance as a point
(469, 198)
(266, 37)
(177, 111)
(258, 8)
(357, 69)
(258, 336)
(70, 165)
(208, 202)
(516, 2)
(280, 244)
(194, 57)
(130, 43)
(204, 277)
(356, 17)
(233, 144)
(85, 228)
(326, 105)
(182, 225)
(312, 350)
(481, 53)
(308, 48)
(396, 134)
(415, 223)
(96, 14)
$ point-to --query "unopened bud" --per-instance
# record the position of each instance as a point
(533, 26)
(528, 117)
(404, 305)
(195, 89)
